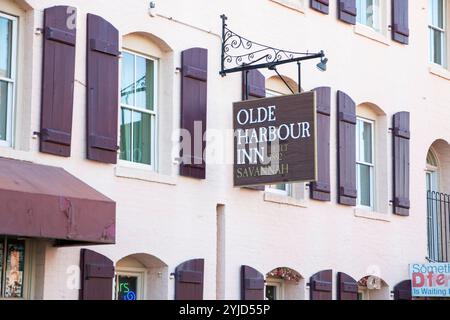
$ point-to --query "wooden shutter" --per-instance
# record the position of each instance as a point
(103, 89)
(320, 190)
(253, 87)
(347, 287)
(346, 149)
(252, 284)
(97, 273)
(321, 285)
(194, 77)
(58, 74)
(400, 21)
(402, 291)
(347, 11)
(320, 5)
(189, 280)
(401, 134)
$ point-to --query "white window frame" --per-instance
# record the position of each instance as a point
(12, 81)
(279, 285)
(132, 272)
(377, 15)
(370, 165)
(154, 116)
(443, 31)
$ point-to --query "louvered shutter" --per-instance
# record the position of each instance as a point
(347, 11)
(400, 21)
(194, 76)
(346, 149)
(321, 285)
(347, 287)
(189, 280)
(253, 87)
(402, 291)
(320, 5)
(401, 134)
(320, 190)
(252, 284)
(103, 89)
(58, 74)
(97, 273)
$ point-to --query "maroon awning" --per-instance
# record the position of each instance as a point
(47, 202)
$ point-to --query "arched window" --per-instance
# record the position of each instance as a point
(432, 181)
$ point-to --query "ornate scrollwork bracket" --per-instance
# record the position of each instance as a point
(240, 53)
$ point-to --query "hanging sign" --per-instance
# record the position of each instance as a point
(430, 279)
(275, 140)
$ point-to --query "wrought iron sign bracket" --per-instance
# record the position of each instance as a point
(241, 54)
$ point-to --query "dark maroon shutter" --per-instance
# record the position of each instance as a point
(347, 287)
(320, 5)
(402, 291)
(320, 190)
(253, 87)
(252, 284)
(194, 77)
(400, 21)
(103, 89)
(321, 285)
(401, 136)
(58, 80)
(189, 280)
(347, 11)
(346, 149)
(97, 273)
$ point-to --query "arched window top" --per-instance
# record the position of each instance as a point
(431, 159)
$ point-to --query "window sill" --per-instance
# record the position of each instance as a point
(372, 215)
(283, 199)
(128, 172)
(370, 33)
(439, 71)
(296, 5)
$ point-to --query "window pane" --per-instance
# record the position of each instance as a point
(364, 185)
(127, 287)
(125, 134)
(367, 142)
(144, 83)
(15, 266)
(128, 86)
(3, 109)
(5, 47)
(271, 292)
(437, 39)
(141, 137)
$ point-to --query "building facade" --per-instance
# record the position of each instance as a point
(97, 205)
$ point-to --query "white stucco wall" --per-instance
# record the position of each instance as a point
(174, 218)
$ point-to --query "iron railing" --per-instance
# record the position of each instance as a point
(438, 207)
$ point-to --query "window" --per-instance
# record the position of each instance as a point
(368, 13)
(8, 40)
(437, 25)
(138, 112)
(12, 268)
(365, 162)
(129, 285)
(274, 289)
